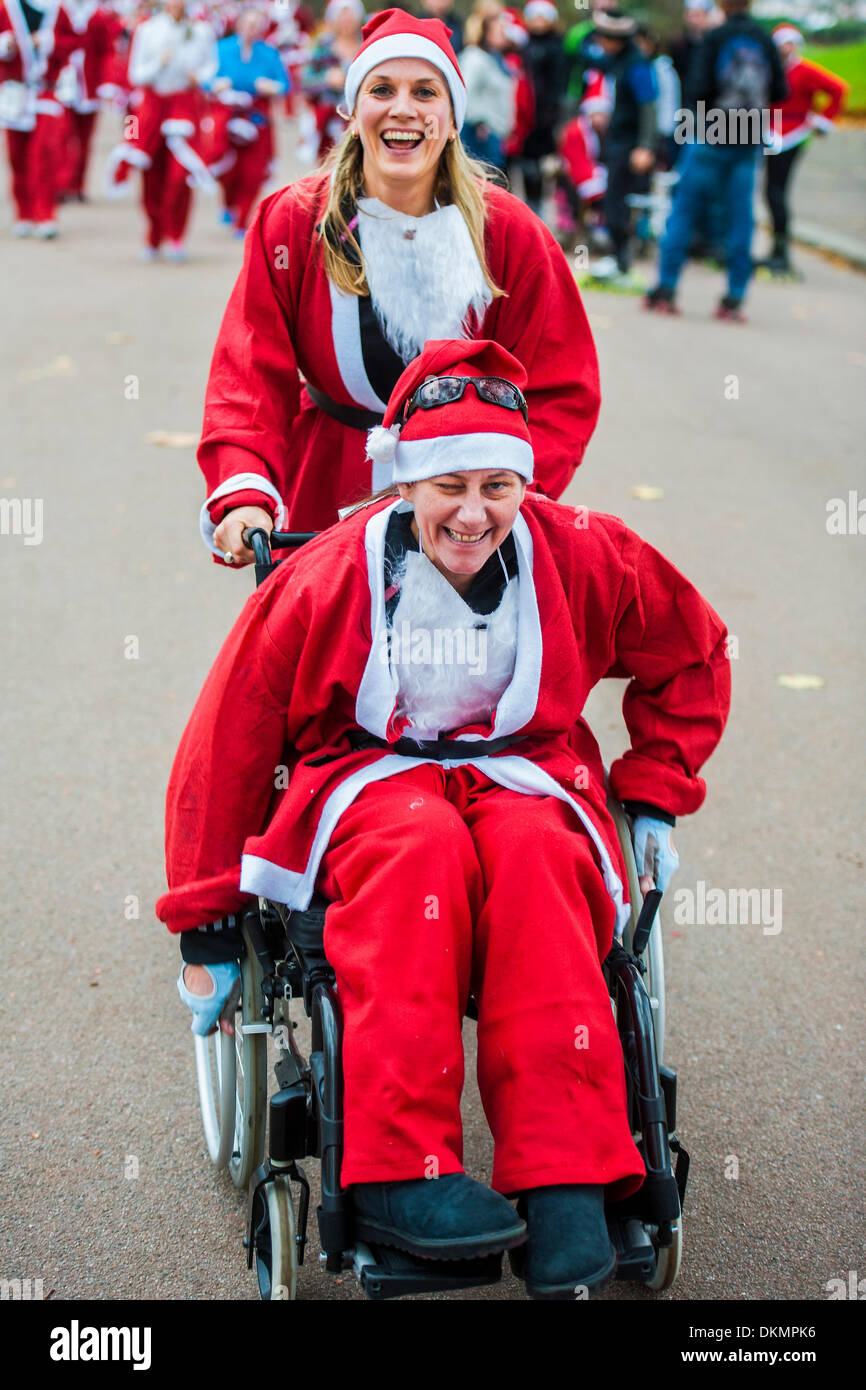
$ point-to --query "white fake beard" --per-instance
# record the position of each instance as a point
(431, 620)
(423, 287)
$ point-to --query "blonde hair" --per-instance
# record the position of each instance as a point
(459, 180)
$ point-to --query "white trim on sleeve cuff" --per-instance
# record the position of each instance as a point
(239, 482)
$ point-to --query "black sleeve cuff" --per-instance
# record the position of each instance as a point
(212, 944)
(643, 808)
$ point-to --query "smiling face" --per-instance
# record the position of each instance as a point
(404, 118)
(461, 518)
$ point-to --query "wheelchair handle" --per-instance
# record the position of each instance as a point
(261, 544)
(645, 921)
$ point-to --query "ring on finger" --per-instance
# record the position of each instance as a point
(228, 557)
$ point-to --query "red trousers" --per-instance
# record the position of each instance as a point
(242, 183)
(79, 134)
(166, 198)
(442, 881)
(36, 158)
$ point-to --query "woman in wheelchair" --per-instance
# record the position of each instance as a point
(420, 670)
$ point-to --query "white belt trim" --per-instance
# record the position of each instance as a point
(268, 880)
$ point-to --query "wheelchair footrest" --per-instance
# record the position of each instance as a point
(635, 1251)
(385, 1272)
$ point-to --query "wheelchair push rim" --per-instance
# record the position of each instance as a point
(251, 1078)
(232, 1081)
(215, 1061)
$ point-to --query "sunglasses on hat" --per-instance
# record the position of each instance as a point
(442, 390)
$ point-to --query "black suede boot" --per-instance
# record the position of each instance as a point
(449, 1218)
(569, 1248)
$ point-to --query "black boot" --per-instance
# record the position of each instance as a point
(569, 1247)
(730, 308)
(778, 262)
(661, 301)
(449, 1218)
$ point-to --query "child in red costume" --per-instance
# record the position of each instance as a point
(453, 810)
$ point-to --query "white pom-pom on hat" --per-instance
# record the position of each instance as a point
(382, 443)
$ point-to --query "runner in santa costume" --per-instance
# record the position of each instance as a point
(97, 30)
(170, 59)
(241, 150)
(36, 39)
(452, 808)
(347, 274)
(794, 122)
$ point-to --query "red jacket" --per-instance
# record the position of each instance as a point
(524, 106)
(302, 668)
(22, 59)
(97, 31)
(284, 316)
(797, 116)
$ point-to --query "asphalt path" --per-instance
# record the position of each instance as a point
(109, 627)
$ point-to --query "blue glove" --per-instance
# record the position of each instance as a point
(654, 851)
(206, 1008)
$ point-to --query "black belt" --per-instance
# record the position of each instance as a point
(351, 415)
(440, 749)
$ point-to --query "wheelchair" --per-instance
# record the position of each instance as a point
(262, 1142)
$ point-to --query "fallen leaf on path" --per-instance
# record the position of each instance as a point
(61, 366)
(646, 493)
(800, 682)
(118, 338)
(172, 439)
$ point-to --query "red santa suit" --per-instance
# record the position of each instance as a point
(79, 84)
(264, 440)
(498, 868)
(798, 116)
(33, 50)
(168, 60)
(579, 149)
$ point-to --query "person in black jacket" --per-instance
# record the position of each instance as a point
(735, 79)
(696, 17)
(628, 147)
(548, 68)
(444, 10)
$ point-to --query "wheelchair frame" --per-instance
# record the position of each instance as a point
(285, 959)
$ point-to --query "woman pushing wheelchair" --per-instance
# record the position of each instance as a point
(421, 669)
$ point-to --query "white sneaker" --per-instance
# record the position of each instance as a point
(22, 229)
(605, 269)
(149, 253)
(46, 231)
(175, 251)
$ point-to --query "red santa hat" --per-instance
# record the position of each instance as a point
(396, 34)
(786, 33)
(516, 31)
(541, 9)
(460, 436)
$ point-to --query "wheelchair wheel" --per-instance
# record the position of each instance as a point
(669, 1258)
(215, 1063)
(276, 1251)
(250, 1076)
(654, 957)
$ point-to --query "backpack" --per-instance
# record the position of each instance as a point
(743, 74)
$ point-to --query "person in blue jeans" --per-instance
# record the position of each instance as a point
(735, 77)
(707, 173)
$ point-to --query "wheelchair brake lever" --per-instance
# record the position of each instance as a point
(645, 921)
